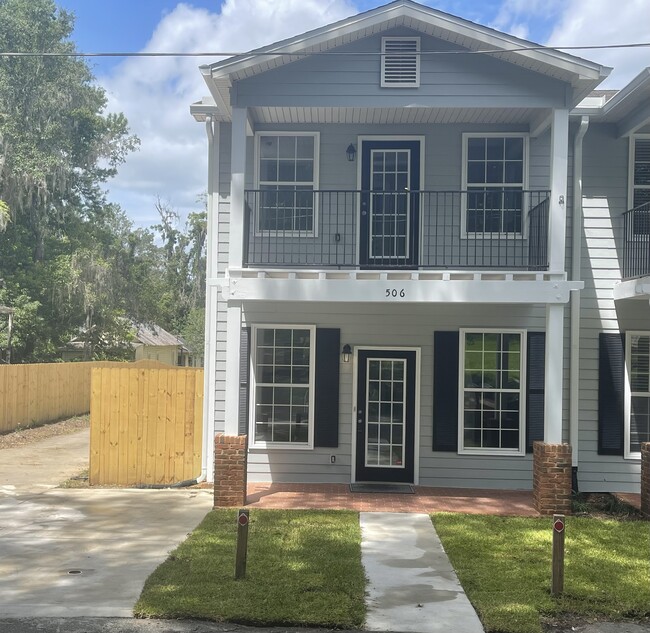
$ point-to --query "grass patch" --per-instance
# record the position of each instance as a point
(76, 481)
(304, 569)
(504, 565)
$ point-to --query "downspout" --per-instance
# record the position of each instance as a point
(576, 273)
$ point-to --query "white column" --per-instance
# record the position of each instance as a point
(559, 174)
(553, 362)
(210, 349)
(235, 245)
(238, 167)
(233, 343)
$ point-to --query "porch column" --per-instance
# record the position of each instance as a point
(559, 174)
(238, 166)
(233, 343)
(553, 366)
(210, 348)
(235, 245)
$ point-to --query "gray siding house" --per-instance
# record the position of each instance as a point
(429, 247)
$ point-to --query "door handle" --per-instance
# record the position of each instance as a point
(359, 419)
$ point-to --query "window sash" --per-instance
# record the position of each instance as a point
(492, 410)
(281, 388)
(637, 396)
(287, 177)
(494, 201)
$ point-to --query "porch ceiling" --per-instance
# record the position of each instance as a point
(392, 116)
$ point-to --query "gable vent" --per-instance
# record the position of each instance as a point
(400, 62)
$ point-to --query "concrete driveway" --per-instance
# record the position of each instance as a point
(73, 553)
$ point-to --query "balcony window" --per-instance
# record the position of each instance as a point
(287, 171)
(494, 176)
(639, 174)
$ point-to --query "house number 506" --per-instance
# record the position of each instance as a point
(394, 293)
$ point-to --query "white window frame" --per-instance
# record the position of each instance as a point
(416, 83)
(464, 185)
(521, 450)
(630, 169)
(315, 182)
(253, 387)
(627, 453)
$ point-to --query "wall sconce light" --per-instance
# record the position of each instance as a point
(351, 152)
(346, 353)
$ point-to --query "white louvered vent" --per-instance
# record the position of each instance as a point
(400, 62)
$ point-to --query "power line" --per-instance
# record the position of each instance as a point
(321, 53)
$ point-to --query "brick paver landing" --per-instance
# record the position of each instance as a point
(425, 499)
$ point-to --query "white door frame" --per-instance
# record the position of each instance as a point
(383, 137)
(416, 412)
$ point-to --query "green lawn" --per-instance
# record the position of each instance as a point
(504, 565)
(304, 569)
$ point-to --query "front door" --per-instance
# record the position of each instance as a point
(389, 224)
(385, 415)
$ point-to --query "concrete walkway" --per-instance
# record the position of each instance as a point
(412, 585)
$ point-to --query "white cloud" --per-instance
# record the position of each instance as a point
(155, 93)
(597, 22)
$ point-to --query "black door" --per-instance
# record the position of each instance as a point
(389, 227)
(385, 416)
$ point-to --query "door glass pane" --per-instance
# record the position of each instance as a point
(389, 204)
(385, 403)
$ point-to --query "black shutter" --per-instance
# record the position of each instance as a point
(535, 368)
(244, 378)
(326, 397)
(611, 390)
(445, 391)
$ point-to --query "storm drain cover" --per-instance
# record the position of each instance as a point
(400, 489)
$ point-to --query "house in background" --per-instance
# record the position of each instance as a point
(428, 250)
(150, 342)
(154, 343)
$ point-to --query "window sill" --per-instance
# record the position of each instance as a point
(274, 446)
(480, 452)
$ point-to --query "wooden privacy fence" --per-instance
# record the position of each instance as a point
(145, 426)
(40, 393)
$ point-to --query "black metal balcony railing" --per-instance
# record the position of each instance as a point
(636, 242)
(477, 229)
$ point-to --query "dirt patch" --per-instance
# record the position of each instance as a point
(23, 436)
(605, 506)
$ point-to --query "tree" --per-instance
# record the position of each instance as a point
(58, 145)
(56, 142)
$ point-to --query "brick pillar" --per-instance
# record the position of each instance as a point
(230, 456)
(552, 478)
(645, 478)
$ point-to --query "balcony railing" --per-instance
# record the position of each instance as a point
(477, 229)
(636, 243)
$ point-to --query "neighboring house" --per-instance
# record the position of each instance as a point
(422, 256)
(154, 343)
(150, 342)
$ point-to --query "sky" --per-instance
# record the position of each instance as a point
(155, 94)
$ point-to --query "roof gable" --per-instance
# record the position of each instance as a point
(581, 74)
